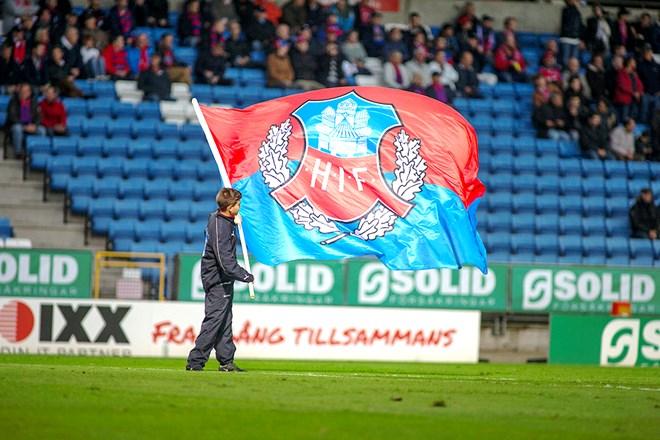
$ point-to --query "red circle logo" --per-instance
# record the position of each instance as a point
(16, 321)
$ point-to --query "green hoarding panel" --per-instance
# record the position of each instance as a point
(603, 340)
(51, 273)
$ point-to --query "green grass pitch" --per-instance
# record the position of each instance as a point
(123, 398)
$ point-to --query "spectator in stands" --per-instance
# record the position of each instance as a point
(611, 74)
(622, 140)
(437, 89)
(120, 20)
(116, 59)
(644, 216)
(53, 114)
(237, 46)
(594, 138)
(575, 116)
(574, 88)
(305, 66)
(550, 119)
(596, 78)
(509, 62)
(571, 31)
(345, 15)
(448, 75)
(282, 35)
(572, 70)
(644, 148)
(35, 69)
(331, 73)
(463, 32)
(12, 9)
(95, 11)
(451, 43)
(90, 28)
(191, 24)
(139, 10)
(622, 32)
(218, 34)
(242, 9)
(158, 13)
(468, 83)
(139, 55)
(278, 67)
(93, 62)
(417, 84)
(395, 74)
(154, 81)
(23, 117)
(510, 28)
(71, 48)
(418, 65)
(354, 51)
(486, 37)
(628, 96)
(294, 13)
(598, 31)
(607, 115)
(60, 74)
(649, 74)
(395, 43)
(549, 69)
(647, 32)
(7, 69)
(468, 14)
(210, 67)
(374, 36)
(363, 14)
(19, 51)
(261, 31)
(416, 27)
(472, 45)
(178, 71)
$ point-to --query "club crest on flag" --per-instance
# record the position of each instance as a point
(338, 187)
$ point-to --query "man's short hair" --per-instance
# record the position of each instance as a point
(227, 197)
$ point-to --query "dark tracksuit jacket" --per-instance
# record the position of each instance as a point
(219, 271)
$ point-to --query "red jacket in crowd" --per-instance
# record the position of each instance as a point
(52, 113)
(623, 93)
(505, 56)
(115, 60)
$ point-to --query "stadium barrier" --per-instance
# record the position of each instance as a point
(261, 331)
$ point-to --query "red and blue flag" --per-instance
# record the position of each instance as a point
(354, 171)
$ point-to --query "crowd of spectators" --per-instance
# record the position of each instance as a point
(599, 105)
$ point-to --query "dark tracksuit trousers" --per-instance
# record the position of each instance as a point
(219, 270)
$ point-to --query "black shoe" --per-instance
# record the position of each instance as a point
(189, 368)
(230, 367)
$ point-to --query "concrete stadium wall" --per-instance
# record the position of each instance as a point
(532, 16)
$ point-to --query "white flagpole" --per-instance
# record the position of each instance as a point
(226, 182)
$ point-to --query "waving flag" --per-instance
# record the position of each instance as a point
(353, 171)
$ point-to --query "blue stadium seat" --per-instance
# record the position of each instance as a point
(162, 168)
(140, 149)
(94, 127)
(593, 226)
(148, 230)
(75, 124)
(85, 166)
(200, 210)
(635, 186)
(81, 192)
(109, 167)
(195, 232)
(106, 187)
(208, 172)
(523, 223)
(191, 132)
(249, 96)
(499, 202)
(546, 147)
(59, 171)
(122, 229)
(617, 226)
(570, 186)
(504, 108)
(274, 93)
(117, 147)
(173, 231)
(481, 107)
(186, 170)
(123, 110)
(204, 192)
(548, 165)
(39, 148)
(135, 168)
(569, 149)
(104, 89)
(591, 167)
(638, 170)
(99, 108)
(91, 146)
(502, 163)
(570, 224)
(152, 209)
(616, 187)
(168, 131)
(641, 252)
(191, 150)
(548, 185)
(64, 146)
(498, 223)
(614, 168)
(179, 210)
(525, 144)
(102, 207)
(547, 204)
(481, 123)
(84, 86)
(522, 248)
(503, 125)
(132, 188)
(570, 168)
(181, 190)
(121, 128)
(593, 248)
(148, 110)
(546, 243)
(75, 107)
(547, 223)
(203, 93)
(571, 246)
(226, 95)
(126, 209)
(594, 205)
(524, 163)
(144, 128)
(524, 202)
(617, 247)
(594, 185)
(165, 149)
(524, 183)
(156, 190)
